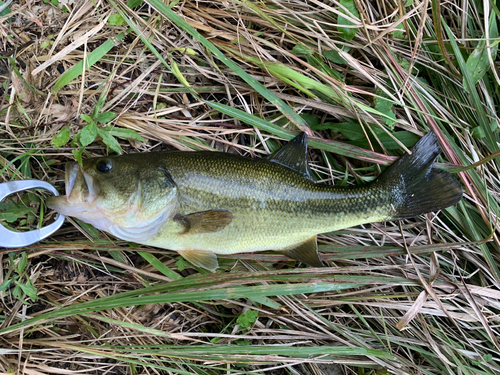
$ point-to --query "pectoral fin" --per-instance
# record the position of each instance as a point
(307, 253)
(204, 221)
(201, 258)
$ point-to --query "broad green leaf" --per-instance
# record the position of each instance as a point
(247, 319)
(399, 31)
(61, 138)
(21, 266)
(116, 20)
(11, 216)
(334, 56)
(5, 285)
(78, 155)
(86, 118)
(181, 264)
(348, 32)
(349, 130)
(105, 117)
(93, 57)
(406, 138)
(310, 119)
(478, 62)
(29, 289)
(134, 3)
(479, 133)
(88, 134)
(110, 141)
(17, 292)
(384, 106)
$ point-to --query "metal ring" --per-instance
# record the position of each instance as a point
(11, 239)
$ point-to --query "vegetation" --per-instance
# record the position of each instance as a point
(365, 79)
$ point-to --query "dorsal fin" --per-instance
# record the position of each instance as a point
(294, 156)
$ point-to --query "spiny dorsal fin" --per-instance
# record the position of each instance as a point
(307, 253)
(204, 221)
(294, 156)
(201, 258)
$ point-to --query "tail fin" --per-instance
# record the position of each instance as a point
(415, 186)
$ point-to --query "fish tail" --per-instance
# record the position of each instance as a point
(415, 187)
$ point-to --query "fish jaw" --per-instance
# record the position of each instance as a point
(77, 193)
(82, 191)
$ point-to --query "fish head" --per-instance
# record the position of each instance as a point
(120, 195)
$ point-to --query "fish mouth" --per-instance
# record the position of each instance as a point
(81, 187)
(81, 191)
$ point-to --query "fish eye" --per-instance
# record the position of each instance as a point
(104, 166)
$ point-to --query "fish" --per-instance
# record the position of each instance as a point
(204, 204)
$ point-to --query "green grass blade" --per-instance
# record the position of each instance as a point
(151, 259)
(93, 57)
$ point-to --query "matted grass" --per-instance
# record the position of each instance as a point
(364, 79)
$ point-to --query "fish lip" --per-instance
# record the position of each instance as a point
(72, 169)
(89, 187)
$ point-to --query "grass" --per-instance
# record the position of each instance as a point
(364, 79)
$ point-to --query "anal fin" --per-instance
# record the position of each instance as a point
(307, 252)
(201, 258)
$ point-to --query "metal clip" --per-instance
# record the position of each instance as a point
(9, 238)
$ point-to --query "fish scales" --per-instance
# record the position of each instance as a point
(258, 192)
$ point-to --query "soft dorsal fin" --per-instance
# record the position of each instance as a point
(294, 156)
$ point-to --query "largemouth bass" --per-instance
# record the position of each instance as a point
(205, 203)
